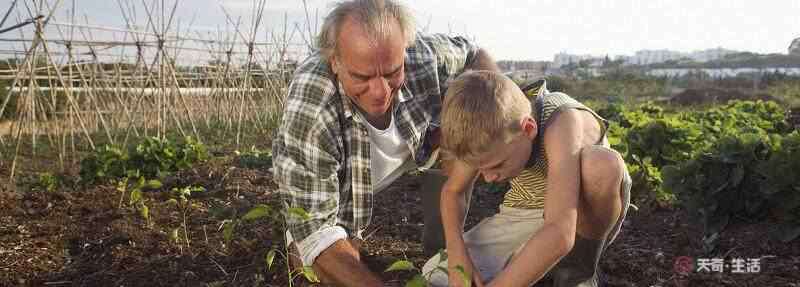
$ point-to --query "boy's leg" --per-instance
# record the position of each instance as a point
(603, 204)
(491, 243)
(431, 183)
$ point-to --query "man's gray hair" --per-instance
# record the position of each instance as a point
(375, 15)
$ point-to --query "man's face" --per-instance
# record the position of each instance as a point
(504, 161)
(371, 70)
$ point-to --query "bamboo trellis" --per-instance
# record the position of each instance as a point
(74, 89)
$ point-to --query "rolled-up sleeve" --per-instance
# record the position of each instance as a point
(306, 158)
(313, 245)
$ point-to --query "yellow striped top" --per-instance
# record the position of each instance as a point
(528, 189)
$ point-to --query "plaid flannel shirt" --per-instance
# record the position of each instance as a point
(322, 151)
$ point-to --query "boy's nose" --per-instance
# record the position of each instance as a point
(490, 177)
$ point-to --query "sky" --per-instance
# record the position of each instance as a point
(519, 30)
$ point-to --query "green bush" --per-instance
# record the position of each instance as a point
(745, 177)
(153, 157)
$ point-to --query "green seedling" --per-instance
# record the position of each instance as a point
(181, 199)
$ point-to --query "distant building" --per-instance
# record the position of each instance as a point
(710, 54)
(647, 57)
(794, 47)
(563, 59)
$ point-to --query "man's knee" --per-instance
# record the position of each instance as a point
(602, 170)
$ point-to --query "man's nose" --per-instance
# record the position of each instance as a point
(379, 87)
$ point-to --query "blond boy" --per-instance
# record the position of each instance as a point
(569, 191)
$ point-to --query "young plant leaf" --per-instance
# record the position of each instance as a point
(144, 211)
(173, 235)
(464, 275)
(136, 196)
(299, 212)
(227, 230)
(310, 275)
(153, 184)
(403, 265)
(270, 257)
(259, 211)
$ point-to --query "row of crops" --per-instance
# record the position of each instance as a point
(725, 164)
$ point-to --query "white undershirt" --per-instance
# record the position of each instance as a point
(389, 155)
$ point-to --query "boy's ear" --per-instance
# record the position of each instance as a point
(529, 127)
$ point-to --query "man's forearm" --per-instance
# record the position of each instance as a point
(340, 264)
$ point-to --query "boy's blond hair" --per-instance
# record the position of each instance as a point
(481, 108)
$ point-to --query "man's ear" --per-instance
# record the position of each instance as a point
(529, 127)
(334, 64)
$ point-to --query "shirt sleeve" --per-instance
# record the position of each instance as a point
(453, 55)
(312, 246)
(307, 158)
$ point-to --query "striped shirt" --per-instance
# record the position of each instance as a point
(528, 189)
(322, 151)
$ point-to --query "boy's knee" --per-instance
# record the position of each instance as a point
(602, 169)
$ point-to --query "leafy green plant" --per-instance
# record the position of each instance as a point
(106, 162)
(780, 186)
(722, 182)
(159, 157)
(153, 157)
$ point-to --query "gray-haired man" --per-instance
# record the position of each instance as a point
(359, 113)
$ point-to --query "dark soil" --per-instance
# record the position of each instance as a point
(79, 236)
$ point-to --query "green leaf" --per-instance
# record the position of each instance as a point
(136, 196)
(144, 211)
(403, 265)
(173, 235)
(153, 184)
(227, 230)
(464, 275)
(269, 258)
(309, 274)
(417, 281)
(299, 212)
(172, 201)
(259, 211)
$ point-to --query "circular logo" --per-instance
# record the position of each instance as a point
(683, 265)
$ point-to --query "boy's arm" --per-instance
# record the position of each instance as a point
(460, 178)
(556, 237)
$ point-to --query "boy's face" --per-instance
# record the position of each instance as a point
(505, 161)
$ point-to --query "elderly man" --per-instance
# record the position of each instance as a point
(358, 115)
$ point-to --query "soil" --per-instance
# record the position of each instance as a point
(80, 236)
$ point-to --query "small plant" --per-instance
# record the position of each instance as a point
(181, 199)
(136, 187)
(422, 280)
(260, 211)
(254, 158)
(47, 182)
